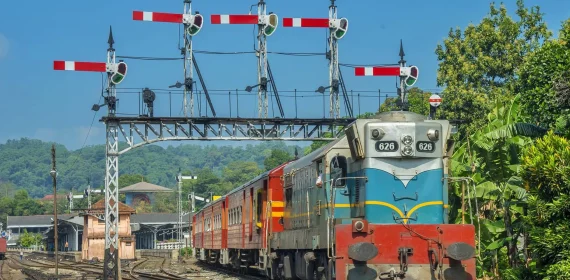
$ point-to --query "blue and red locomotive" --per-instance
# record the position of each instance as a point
(369, 205)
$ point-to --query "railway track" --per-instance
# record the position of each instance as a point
(35, 269)
(2, 271)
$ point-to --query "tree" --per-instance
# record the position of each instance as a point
(418, 101)
(126, 180)
(28, 239)
(238, 172)
(479, 65)
(143, 207)
(276, 158)
(546, 171)
(544, 83)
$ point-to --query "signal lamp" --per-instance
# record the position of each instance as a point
(195, 25)
(119, 74)
(340, 28)
(270, 24)
(413, 76)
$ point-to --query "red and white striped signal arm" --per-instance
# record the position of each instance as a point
(81, 66)
(234, 19)
(306, 22)
(382, 71)
(159, 17)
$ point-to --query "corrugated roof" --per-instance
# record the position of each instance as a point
(144, 187)
(34, 221)
(158, 218)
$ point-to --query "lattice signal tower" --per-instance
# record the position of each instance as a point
(116, 72)
(338, 28)
(267, 24)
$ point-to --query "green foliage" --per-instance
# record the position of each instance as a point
(480, 64)
(28, 239)
(25, 162)
(491, 158)
(185, 252)
(543, 71)
(418, 101)
(546, 170)
(546, 166)
(276, 158)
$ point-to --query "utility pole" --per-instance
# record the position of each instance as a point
(53, 174)
(179, 179)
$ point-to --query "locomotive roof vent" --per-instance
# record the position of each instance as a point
(400, 116)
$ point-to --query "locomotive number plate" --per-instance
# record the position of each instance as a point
(425, 146)
(386, 146)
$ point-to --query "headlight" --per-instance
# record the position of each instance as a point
(433, 134)
(407, 151)
(378, 133)
(407, 140)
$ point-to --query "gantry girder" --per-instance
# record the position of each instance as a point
(139, 131)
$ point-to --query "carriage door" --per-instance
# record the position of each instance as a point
(251, 214)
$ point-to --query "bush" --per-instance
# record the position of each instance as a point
(185, 252)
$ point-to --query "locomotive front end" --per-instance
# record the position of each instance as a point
(398, 214)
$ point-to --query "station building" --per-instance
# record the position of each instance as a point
(150, 230)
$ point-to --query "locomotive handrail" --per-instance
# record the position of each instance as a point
(330, 253)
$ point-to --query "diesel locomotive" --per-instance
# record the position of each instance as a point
(372, 204)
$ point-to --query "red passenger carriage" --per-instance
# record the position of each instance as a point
(235, 228)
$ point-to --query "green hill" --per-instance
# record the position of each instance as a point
(26, 163)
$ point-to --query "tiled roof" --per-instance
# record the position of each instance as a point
(99, 206)
(144, 187)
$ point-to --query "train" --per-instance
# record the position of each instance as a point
(372, 204)
(3, 247)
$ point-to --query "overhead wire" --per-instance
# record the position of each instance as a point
(302, 54)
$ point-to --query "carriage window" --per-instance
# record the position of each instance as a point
(338, 170)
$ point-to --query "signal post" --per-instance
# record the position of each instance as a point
(338, 28)
(408, 76)
(192, 25)
(116, 73)
(267, 24)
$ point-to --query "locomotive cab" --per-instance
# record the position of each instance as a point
(397, 226)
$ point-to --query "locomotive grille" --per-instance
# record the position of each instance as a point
(357, 192)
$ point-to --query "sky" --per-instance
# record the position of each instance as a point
(38, 102)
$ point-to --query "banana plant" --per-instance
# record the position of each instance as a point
(490, 157)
